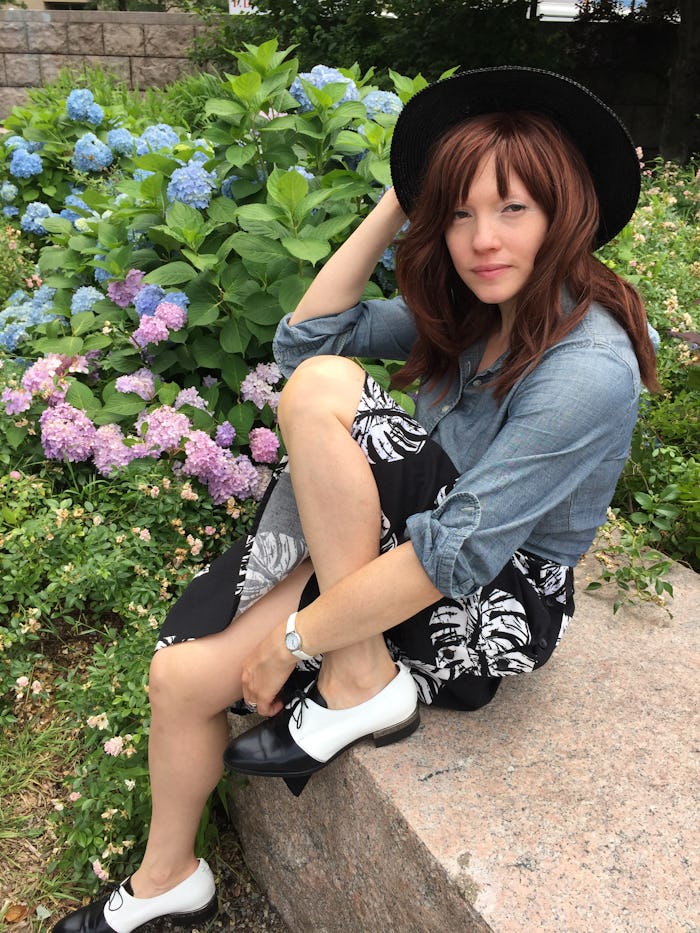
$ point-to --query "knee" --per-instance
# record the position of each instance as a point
(325, 385)
(166, 682)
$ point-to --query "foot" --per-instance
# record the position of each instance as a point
(192, 901)
(306, 735)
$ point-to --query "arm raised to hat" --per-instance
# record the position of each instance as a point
(340, 283)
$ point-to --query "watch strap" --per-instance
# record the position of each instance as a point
(291, 627)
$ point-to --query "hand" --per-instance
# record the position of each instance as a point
(265, 671)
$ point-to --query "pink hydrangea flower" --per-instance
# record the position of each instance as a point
(172, 315)
(16, 400)
(150, 330)
(123, 293)
(22, 682)
(109, 450)
(264, 445)
(257, 386)
(164, 429)
(190, 397)
(66, 433)
(142, 382)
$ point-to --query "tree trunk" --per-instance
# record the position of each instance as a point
(680, 130)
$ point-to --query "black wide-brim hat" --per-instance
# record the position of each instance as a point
(591, 125)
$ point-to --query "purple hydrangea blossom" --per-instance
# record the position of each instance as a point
(150, 330)
(224, 475)
(109, 450)
(43, 377)
(16, 401)
(264, 445)
(66, 433)
(142, 383)
(163, 429)
(225, 434)
(147, 299)
(257, 386)
(123, 293)
(172, 315)
(190, 397)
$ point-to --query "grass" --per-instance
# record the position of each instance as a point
(34, 754)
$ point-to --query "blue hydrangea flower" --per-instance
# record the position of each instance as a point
(319, 76)
(24, 164)
(121, 141)
(101, 275)
(155, 137)
(23, 312)
(148, 300)
(387, 259)
(178, 298)
(10, 210)
(19, 142)
(302, 171)
(227, 186)
(95, 114)
(192, 184)
(91, 154)
(8, 192)
(78, 103)
(141, 173)
(382, 102)
(31, 219)
(84, 299)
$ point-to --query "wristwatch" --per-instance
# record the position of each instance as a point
(292, 639)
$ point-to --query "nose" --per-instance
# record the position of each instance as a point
(485, 235)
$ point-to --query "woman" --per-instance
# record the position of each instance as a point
(419, 558)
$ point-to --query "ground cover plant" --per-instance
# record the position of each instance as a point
(150, 247)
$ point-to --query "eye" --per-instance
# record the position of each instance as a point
(515, 208)
(460, 214)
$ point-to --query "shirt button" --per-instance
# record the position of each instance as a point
(445, 408)
(477, 382)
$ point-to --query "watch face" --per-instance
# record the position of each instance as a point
(292, 641)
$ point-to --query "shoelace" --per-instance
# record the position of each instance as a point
(297, 705)
(116, 889)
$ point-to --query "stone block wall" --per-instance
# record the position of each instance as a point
(144, 49)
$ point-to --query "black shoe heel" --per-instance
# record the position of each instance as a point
(194, 917)
(297, 784)
(400, 731)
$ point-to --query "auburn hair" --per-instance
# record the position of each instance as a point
(449, 317)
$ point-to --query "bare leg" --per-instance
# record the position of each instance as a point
(338, 505)
(190, 685)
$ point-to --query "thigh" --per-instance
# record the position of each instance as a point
(206, 671)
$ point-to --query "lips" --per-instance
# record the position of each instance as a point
(490, 271)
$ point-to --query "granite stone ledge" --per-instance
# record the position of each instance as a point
(124, 39)
(157, 72)
(51, 65)
(568, 805)
(167, 41)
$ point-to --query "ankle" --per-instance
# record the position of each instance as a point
(151, 882)
(342, 692)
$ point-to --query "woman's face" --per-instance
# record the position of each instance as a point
(493, 241)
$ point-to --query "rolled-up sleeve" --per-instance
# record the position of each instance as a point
(381, 328)
(565, 434)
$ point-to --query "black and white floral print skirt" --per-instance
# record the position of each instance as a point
(458, 650)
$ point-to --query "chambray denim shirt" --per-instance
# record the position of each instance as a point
(537, 470)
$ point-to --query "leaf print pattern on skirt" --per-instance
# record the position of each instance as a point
(381, 437)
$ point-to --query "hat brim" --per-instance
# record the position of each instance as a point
(594, 128)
